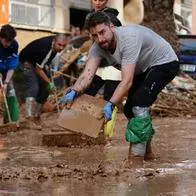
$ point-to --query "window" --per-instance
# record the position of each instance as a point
(34, 13)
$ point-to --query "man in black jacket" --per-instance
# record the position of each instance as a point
(37, 59)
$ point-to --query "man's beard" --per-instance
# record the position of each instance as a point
(104, 46)
(109, 43)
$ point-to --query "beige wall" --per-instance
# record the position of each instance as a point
(177, 9)
(24, 36)
(194, 17)
(61, 16)
(118, 4)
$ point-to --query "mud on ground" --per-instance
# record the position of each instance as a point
(25, 161)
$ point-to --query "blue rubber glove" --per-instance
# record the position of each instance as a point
(69, 96)
(107, 111)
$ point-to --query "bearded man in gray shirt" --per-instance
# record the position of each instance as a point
(147, 63)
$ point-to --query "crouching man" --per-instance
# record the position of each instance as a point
(37, 60)
(147, 63)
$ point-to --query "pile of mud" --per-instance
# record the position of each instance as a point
(175, 105)
(60, 171)
(177, 99)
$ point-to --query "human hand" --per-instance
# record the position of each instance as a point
(107, 111)
(68, 97)
(4, 87)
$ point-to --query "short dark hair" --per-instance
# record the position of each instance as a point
(8, 32)
(62, 36)
(96, 18)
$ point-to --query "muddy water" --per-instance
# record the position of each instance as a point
(28, 168)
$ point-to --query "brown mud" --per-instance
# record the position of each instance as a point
(29, 168)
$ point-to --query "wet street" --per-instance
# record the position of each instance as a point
(29, 168)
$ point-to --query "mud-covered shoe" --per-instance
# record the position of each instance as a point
(32, 124)
(134, 161)
(149, 155)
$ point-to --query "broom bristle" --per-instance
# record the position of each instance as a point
(11, 127)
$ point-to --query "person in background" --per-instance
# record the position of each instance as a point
(37, 60)
(147, 63)
(107, 77)
(8, 64)
(72, 31)
(78, 31)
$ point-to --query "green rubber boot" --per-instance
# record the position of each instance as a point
(13, 109)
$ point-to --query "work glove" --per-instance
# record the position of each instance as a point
(107, 111)
(68, 97)
(51, 86)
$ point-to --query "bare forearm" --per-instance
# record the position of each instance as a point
(83, 82)
(42, 75)
(9, 75)
(87, 75)
(127, 75)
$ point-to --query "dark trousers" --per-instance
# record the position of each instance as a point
(97, 83)
(148, 85)
(35, 87)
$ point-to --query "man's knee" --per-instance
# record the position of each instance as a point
(128, 110)
(140, 111)
(42, 95)
(139, 128)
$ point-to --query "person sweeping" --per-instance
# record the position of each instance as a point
(8, 64)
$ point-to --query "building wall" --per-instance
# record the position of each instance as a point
(54, 16)
(182, 8)
(26, 36)
(194, 17)
(118, 4)
(61, 18)
(51, 15)
(179, 6)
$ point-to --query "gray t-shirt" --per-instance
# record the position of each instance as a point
(138, 45)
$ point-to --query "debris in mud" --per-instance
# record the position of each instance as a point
(177, 99)
(68, 139)
(84, 116)
(6, 128)
(42, 174)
